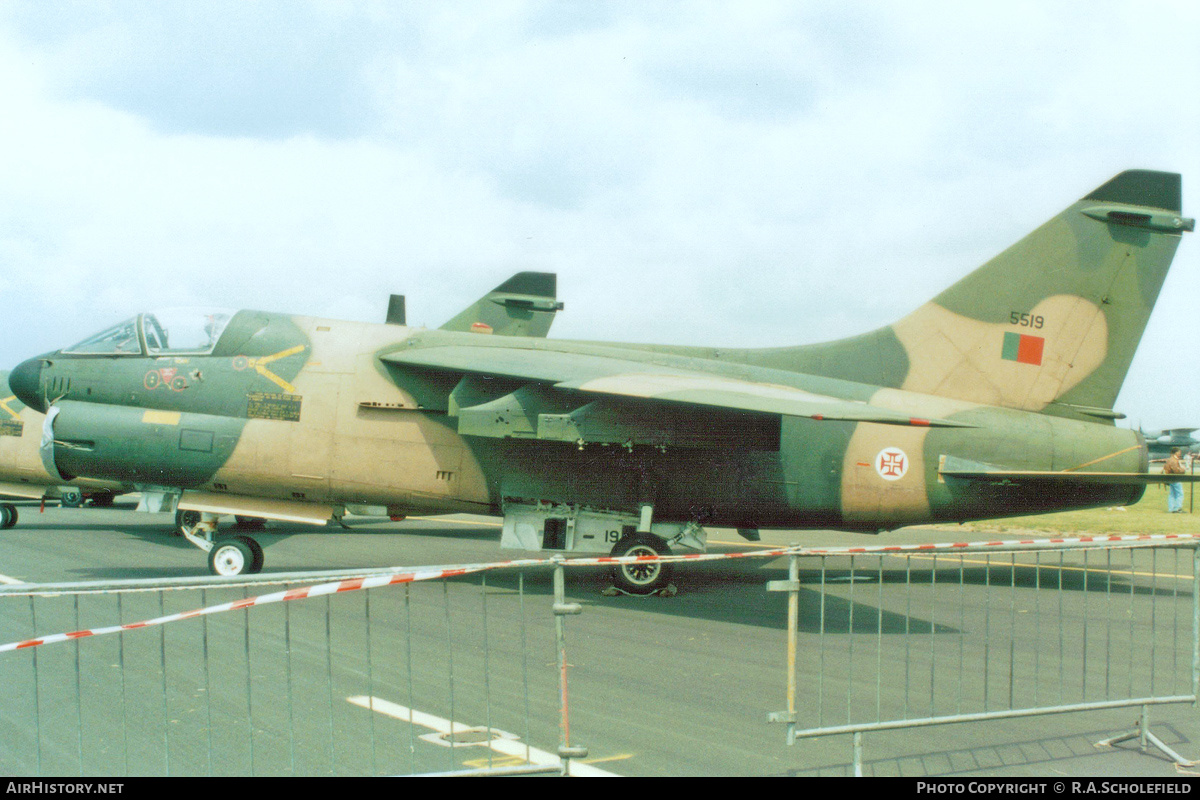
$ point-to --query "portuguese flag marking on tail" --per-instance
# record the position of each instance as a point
(1023, 349)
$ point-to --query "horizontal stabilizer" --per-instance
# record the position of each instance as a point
(1057, 478)
(524, 305)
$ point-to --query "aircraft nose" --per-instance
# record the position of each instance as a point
(26, 383)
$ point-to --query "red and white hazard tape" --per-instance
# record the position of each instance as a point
(350, 585)
(1010, 544)
(393, 578)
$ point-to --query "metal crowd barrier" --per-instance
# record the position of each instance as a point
(212, 677)
(204, 677)
(908, 637)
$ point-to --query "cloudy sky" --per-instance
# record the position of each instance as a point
(741, 174)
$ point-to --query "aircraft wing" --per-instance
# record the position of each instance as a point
(524, 305)
(612, 376)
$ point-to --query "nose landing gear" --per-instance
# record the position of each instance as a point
(235, 555)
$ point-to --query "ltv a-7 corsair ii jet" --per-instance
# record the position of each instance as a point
(995, 398)
(22, 474)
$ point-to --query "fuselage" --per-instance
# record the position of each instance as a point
(304, 410)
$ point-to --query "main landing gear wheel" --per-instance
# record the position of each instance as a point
(239, 555)
(8, 515)
(70, 498)
(645, 578)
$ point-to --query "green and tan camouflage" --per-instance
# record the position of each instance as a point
(22, 473)
(995, 398)
(524, 305)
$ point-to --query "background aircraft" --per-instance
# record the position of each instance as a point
(1161, 443)
(995, 398)
(22, 474)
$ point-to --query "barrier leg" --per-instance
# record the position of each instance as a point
(1146, 739)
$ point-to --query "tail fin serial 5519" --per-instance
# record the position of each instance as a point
(1051, 324)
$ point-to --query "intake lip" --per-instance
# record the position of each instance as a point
(26, 383)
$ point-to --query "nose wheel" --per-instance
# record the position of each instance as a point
(236, 555)
(239, 555)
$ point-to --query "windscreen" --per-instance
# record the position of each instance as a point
(118, 340)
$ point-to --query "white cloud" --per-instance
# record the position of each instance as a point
(755, 174)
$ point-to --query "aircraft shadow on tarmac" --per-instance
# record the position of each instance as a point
(731, 591)
(735, 592)
(159, 531)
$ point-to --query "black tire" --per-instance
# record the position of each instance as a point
(230, 557)
(256, 552)
(102, 499)
(70, 498)
(8, 515)
(185, 521)
(645, 578)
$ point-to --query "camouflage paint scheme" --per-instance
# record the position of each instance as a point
(22, 474)
(995, 398)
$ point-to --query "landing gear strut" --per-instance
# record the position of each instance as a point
(185, 521)
(236, 555)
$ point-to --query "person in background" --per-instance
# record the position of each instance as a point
(1174, 466)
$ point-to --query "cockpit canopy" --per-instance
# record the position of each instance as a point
(168, 331)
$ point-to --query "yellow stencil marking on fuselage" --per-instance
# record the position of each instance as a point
(291, 351)
(258, 363)
(271, 376)
(4, 405)
(161, 417)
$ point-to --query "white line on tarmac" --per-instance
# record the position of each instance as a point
(10, 581)
(508, 747)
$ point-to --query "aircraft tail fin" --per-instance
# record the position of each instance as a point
(524, 305)
(1051, 324)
